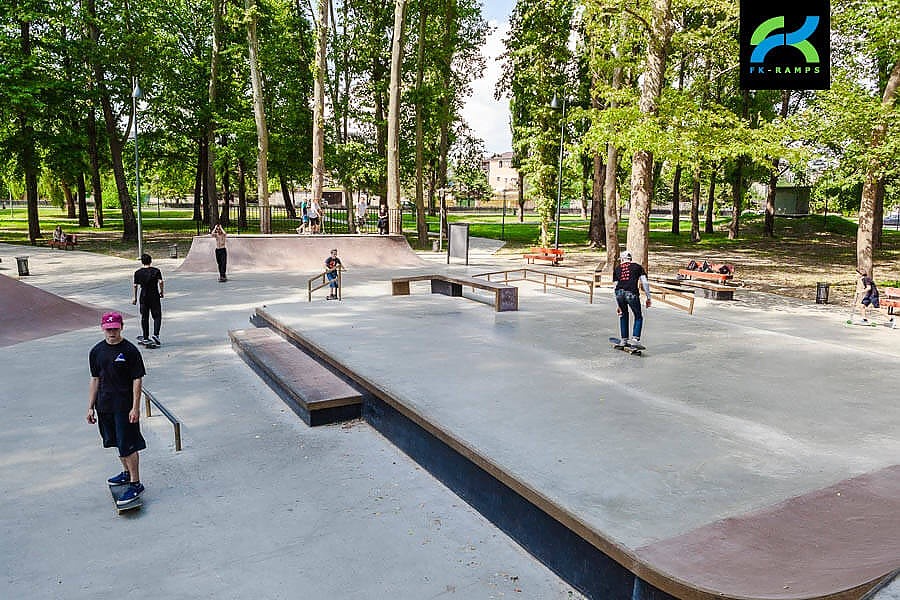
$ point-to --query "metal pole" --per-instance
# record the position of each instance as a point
(503, 221)
(562, 143)
(135, 94)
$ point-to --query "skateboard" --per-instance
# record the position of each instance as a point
(618, 345)
(150, 344)
(861, 324)
(117, 491)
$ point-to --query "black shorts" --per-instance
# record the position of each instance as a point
(873, 300)
(117, 432)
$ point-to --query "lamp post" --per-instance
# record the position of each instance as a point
(562, 142)
(135, 94)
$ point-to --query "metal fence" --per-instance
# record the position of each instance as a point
(333, 220)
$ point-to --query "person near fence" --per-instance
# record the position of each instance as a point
(314, 213)
(59, 235)
(866, 294)
(150, 280)
(627, 276)
(221, 251)
(332, 265)
(382, 219)
(361, 207)
(114, 401)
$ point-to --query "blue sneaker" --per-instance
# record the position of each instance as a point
(131, 494)
(120, 479)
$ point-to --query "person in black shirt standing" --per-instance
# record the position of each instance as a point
(117, 372)
(627, 275)
(150, 280)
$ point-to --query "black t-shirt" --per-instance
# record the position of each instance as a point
(148, 278)
(627, 275)
(117, 366)
(332, 263)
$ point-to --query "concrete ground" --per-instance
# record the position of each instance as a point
(733, 410)
(257, 505)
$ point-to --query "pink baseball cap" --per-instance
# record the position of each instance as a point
(111, 320)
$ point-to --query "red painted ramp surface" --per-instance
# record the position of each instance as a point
(832, 543)
(300, 253)
(29, 313)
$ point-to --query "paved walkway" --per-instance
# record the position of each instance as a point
(257, 505)
(731, 412)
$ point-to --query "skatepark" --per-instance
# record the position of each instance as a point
(752, 452)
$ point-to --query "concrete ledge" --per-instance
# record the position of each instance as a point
(317, 395)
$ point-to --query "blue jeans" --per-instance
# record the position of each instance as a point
(332, 278)
(626, 300)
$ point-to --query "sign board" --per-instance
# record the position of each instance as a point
(458, 242)
(785, 45)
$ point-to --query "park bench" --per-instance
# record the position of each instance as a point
(69, 244)
(311, 390)
(718, 272)
(710, 290)
(506, 297)
(551, 255)
(889, 299)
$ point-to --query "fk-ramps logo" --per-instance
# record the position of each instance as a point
(785, 51)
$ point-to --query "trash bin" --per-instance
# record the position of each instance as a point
(22, 263)
(173, 251)
(822, 292)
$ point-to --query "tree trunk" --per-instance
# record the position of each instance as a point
(286, 195)
(28, 159)
(520, 196)
(695, 206)
(318, 130)
(597, 225)
(204, 183)
(737, 201)
(769, 225)
(710, 201)
(378, 73)
(225, 215)
(421, 225)
(111, 120)
(70, 199)
(198, 183)
(612, 207)
(94, 155)
(660, 35)
(242, 194)
(212, 195)
(259, 114)
(878, 220)
(393, 144)
(83, 220)
(676, 202)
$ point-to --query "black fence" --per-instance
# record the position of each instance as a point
(334, 220)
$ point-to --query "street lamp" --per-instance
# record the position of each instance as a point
(562, 142)
(135, 94)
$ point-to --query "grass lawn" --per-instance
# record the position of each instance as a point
(804, 251)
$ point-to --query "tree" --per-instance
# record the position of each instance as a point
(259, 113)
(393, 142)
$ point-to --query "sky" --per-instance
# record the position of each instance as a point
(489, 118)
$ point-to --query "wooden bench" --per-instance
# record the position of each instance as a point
(889, 299)
(551, 255)
(69, 244)
(715, 275)
(506, 297)
(310, 389)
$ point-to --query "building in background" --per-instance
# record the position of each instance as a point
(500, 172)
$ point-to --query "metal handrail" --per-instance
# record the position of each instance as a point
(176, 424)
(324, 282)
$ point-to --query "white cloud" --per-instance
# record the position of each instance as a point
(486, 117)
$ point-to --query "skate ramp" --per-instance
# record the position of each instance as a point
(29, 313)
(300, 253)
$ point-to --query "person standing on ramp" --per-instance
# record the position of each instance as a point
(627, 275)
(221, 251)
(332, 265)
(150, 280)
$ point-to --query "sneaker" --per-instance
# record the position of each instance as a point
(141, 340)
(131, 494)
(222, 279)
(864, 321)
(120, 479)
(635, 343)
(155, 339)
